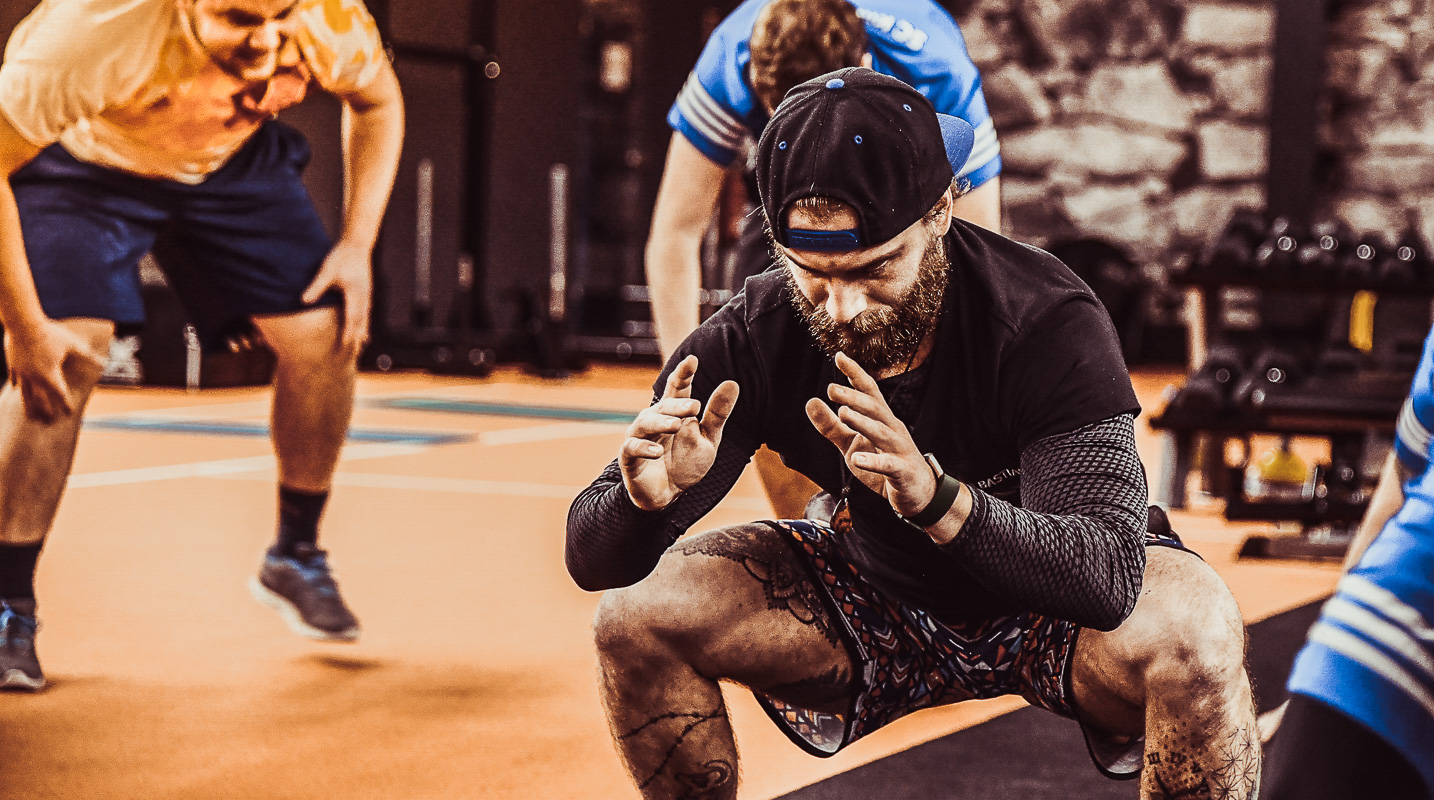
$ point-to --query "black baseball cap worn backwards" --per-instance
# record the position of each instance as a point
(866, 139)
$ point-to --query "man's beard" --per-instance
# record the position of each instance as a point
(883, 338)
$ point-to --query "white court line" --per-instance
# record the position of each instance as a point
(245, 409)
(351, 452)
(414, 483)
(229, 466)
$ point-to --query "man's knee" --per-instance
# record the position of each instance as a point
(637, 625)
(308, 338)
(699, 596)
(1201, 650)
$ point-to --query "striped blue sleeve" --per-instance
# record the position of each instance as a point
(1416, 419)
(715, 108)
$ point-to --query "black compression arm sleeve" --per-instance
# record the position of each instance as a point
(612, 542)
(1076, 551)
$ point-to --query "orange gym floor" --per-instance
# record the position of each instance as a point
(475, 677)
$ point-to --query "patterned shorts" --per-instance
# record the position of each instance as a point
(906, 659)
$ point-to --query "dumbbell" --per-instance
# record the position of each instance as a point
(1272, 369)
(1208, 390)
(1357, 265)
(1318, 254)
(1407, 264)
(1276, 253)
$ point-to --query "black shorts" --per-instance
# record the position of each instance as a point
(906, 659)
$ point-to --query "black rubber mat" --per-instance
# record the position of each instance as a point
(1033, 753)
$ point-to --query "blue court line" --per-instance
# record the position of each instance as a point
(257, 429)
(508, 410)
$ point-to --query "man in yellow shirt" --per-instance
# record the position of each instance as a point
(134, 126)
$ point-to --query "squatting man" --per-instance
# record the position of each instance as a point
(963, 398)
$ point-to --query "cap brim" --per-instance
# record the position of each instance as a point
(959, 137)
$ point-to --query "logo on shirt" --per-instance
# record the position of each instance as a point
(1004, 485)
(898, 30)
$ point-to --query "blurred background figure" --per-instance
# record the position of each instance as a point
(131, 126)
(750, 61)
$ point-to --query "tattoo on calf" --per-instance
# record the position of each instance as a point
(1239, 772)
(714, 780)
(770, 563)
(1234, 775)
(703, 784)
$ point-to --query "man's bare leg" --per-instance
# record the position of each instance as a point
(313, 403)
(35, 457)
(313, 395)
(1176, 670)
(727, 604)
(787, 490)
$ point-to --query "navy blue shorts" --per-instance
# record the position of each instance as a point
(245, 241)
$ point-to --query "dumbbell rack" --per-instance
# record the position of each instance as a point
(1354, 412)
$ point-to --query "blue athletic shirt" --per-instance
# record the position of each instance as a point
(1371, 654)
(913, 40)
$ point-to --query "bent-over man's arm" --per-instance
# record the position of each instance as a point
(686, 200)
(372, 139)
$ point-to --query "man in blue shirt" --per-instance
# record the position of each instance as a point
(753, 57)
(1360, 718)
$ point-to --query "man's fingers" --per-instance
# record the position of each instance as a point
(635, 448)
(42, 402)
(719, 409)
(827, 424)
(96, 361)
(873, 406)
(879, 433)
(355, 322)
(679, 381)
(860, 381)
(62, 400)
(651, 424)
(320, 284)
(676, 407)
(884, 464)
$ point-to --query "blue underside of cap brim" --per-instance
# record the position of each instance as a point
(959, 137)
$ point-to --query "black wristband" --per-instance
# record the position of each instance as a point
(947, 488)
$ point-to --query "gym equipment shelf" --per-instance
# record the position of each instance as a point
(1291, 375)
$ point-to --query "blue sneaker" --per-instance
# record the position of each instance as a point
(302, 589)
(19, 666)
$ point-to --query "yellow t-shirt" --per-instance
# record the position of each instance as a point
(123, 84)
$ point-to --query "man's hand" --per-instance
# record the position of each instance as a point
(37, 358)
(349, 269)
(878, 448)
(667, 450)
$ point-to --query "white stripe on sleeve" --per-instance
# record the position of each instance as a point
(709, 118)
(1411, 431)
(985, 148)
(1352, 646)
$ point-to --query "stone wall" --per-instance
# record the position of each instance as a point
(1143, 122)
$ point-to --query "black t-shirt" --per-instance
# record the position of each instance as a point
(1023, 351)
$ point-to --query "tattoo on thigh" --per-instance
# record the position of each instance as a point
(770, 563)
(699, 784)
